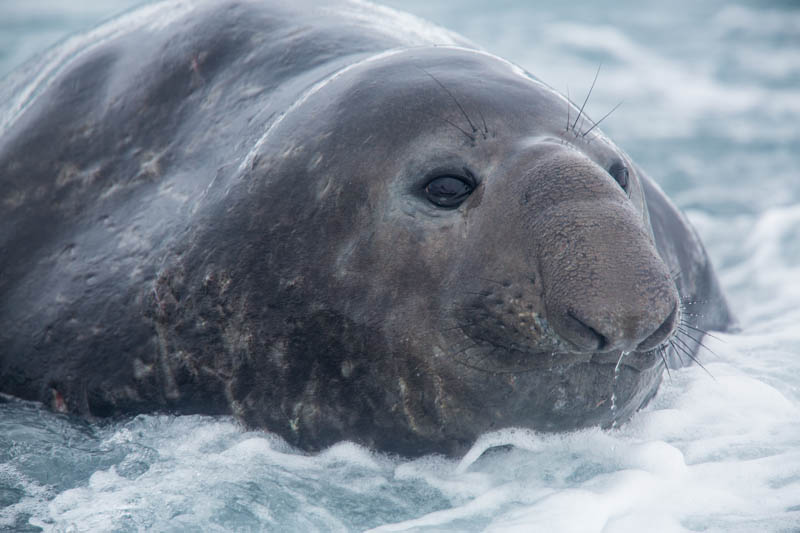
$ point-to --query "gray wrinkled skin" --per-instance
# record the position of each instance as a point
(222, 209)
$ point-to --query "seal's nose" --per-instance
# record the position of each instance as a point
(600, 331)
(605, 286)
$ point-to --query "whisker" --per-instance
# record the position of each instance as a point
(688, 352)
(469, 135)
(601, 120)
(684, 350)
(685, 346)
(677, 352)
(569, 105)
(704, 332)
(698, 342)
(485, 127)
(580, 111)
(471, 125)
(661, 350)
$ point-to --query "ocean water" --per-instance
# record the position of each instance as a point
(711, 106)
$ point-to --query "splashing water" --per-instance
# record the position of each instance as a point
(614, 389)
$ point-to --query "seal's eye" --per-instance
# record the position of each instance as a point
(619, 172)
(448, 191)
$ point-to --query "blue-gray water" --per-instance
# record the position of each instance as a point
(711, 94)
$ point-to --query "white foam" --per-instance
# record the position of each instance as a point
(708, 452)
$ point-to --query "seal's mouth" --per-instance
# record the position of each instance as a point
(497, 360)
(638, 360)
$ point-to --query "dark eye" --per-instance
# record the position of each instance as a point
(619, 172)
(448, 191)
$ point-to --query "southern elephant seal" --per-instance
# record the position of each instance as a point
(315, 219)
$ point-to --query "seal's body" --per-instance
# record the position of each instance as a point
(316, 220)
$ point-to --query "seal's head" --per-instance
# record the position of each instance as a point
(481, 260)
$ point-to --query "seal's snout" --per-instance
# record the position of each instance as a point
(606, 287)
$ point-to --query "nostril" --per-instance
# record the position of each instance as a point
(581, 334)
(661, 334)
